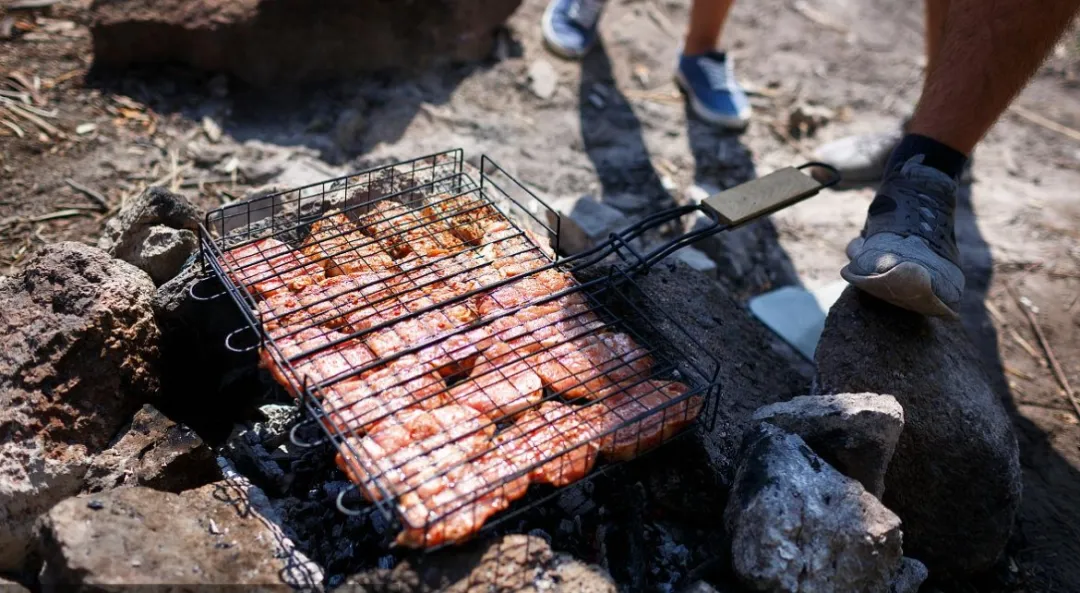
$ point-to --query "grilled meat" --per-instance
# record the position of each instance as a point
(267, 267)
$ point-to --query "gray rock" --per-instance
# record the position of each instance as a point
(798, 525)
(584, 222)
(12, 587)
(349, 128)
(910, 577)
(543, 80)
(80, 347)
(510, 563)
(696, 259)
(222, 533)
(955, 476)
(154, 452)
(855, 432)
(162, 251)
(155, 206)
(291, 41)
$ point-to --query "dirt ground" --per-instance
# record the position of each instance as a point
(614, 128)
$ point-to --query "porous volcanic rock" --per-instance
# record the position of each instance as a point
(80, 347)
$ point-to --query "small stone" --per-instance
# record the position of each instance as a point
(597, 100)
(855, 432)
(543, 80)
(585, 222)
(212, 129)
(163, 251)
(797, 525)
(805, 120)
(84, 129)
(95, 504)
(696, 259)
(910, 577)
(214, 529)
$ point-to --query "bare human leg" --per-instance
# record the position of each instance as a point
(988, 51)
(707, 19)
(907, 252)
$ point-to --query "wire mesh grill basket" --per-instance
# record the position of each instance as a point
(425, 321)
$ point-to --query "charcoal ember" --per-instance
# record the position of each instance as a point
(798, 525)
(225, 532)
(246, 449)
(267, 43)
(155, 232)
(79, 355)
(154, 452)
(510, 563)
(957, 437)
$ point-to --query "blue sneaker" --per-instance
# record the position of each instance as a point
(569, 26)
(715, 96)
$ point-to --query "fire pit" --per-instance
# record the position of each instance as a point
(428, 326)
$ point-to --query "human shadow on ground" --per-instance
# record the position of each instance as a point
(1044, 535)
(339, 120)
(750, 260)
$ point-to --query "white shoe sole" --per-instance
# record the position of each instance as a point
(737, 124)
(548, 33)
(907, 285)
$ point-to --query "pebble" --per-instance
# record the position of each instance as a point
(95, 504)
(543, 80)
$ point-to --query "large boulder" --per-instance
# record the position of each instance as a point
(511, 563)
(955, 476)
(290, 41)
(154, 452)
(797, 525)
(155, 232)
(80, 345)
(222, 533)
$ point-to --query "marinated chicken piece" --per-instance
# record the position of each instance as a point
(467, 215)
(587, 366)
(339, 247)
(550, 323)
(501, 384)
(555, 443)
(523, 291)
(267, 267)
(332, 301)
(515, 252)
(414, 451)
(451, 515)
(406, 383)
(404, 232)
(311, 353)
(642, 415)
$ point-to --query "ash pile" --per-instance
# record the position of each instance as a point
(139, 450)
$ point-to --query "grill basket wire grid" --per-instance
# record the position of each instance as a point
(422, 179)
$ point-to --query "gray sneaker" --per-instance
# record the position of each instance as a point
(906, 253)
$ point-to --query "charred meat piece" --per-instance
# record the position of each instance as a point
(555, 443)
(643, 415)
(267, 267)
(339, 247)
(466, 215)
(501, 384)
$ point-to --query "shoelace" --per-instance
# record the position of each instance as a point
(717, 73)
(585, 12)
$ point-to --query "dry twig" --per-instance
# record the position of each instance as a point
(30, 117)
(1045, 122)
(94, 196)
(1059, 373)
(55, 215)
(14, 128)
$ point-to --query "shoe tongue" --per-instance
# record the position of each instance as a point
(928, 177)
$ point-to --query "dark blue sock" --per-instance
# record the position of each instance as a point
(935, 154)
